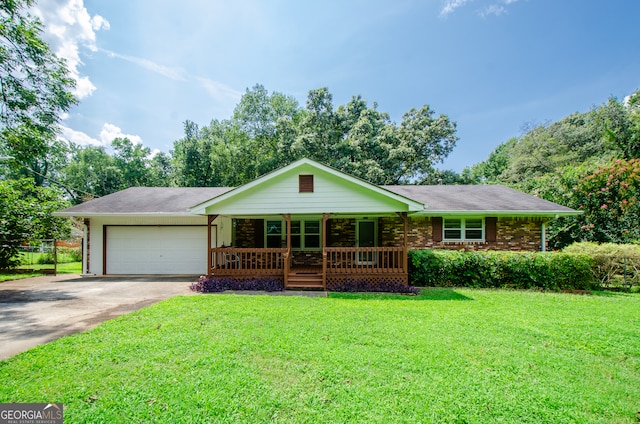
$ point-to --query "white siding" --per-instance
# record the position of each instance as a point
(331, 194)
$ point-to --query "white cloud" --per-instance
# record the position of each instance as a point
(171, 73)
(217, 89)
(68, 27)
(110, 131)
(451, 5)
(78, 137)
(496, 8)
(107, 134)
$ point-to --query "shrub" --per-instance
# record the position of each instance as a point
(613, 265)
(69, 254)
(45, 259)
(543, 270)
(211, 284)
(64, 255)
(362, 285)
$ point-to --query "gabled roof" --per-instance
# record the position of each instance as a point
(146, 201)
(362, 187)
(485, 199)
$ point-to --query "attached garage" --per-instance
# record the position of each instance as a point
(156, 250)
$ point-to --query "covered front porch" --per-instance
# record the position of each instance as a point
(313, 252)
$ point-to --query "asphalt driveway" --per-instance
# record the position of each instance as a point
(38, 310)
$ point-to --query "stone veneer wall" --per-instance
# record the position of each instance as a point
(513, 233)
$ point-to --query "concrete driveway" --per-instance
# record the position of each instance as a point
(37, 310)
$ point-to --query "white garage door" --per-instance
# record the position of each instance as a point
(156, 250)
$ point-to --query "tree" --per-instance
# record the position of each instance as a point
(261, 116)
(607, 195)
(425, 141)
(490, 171)
(133, 161)
(160, 170)
(91, 173)
(25, 214)
(35, 88)
(622, 125)
(192, 158)
(364, 142)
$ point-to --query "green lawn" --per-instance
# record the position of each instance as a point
(64, 268)
(30, 261)
(444, 356)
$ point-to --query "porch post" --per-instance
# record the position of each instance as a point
(323, 230)
(405, 258)
(287, 219)
(210, 219)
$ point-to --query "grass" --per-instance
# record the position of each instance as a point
(30, 261)
(64, 268)
(453, 356)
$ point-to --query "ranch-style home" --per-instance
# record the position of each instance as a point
(305, 223)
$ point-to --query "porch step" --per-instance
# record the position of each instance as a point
(305, 281)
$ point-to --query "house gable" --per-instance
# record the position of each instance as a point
(332, 191)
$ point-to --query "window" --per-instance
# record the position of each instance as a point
(274, 233)
(305, 183)
(305, 235)
(463, 229)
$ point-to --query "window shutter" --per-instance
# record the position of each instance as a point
(305, 183)
(436, 228)
(491, 230)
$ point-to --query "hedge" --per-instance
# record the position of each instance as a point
(543, 270)
(614, 265)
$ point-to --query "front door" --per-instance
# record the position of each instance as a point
(366, 237)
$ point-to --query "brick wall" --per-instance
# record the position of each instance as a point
(341, 232)
(515, 234)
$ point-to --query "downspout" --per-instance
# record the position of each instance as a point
(543, 237)
(85, 246)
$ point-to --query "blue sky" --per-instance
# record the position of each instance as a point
(143, 67)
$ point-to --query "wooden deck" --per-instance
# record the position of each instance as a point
(338, 263)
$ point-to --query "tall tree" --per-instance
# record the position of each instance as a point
(91, 172)
(192, 158)
(25, 214)
(35, 88)
(133, 161)
(621, 124)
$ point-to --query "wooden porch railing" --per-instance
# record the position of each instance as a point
(245, 262)
(252, 262)
(364, 260)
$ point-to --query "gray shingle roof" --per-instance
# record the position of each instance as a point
(147, 200)
(452, 198)
(476, 198)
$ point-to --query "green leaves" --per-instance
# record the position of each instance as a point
(25, 214)
(35, 87)
(270, 130)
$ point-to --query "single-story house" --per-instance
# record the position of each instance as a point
(306, 223)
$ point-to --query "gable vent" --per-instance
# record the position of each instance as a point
(305, 183)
